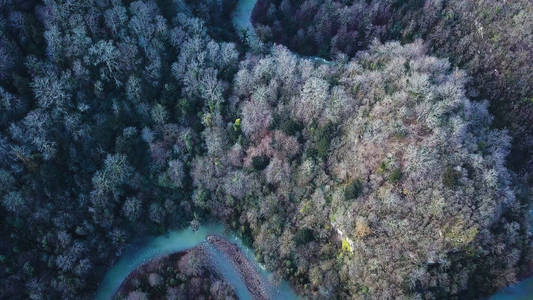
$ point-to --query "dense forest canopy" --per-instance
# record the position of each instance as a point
(373, 176)
(385, 151)
(102, 102)
(491, 39)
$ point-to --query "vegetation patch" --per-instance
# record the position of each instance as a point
(260, 162)
(450, 177)
(353, 189)
(304, 236)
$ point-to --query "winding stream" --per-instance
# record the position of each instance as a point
(243, 15)
(242, 20)
(179, 240)
(520, 291)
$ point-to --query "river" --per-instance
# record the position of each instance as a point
(243, 14)
(179, 240)
(242, 20)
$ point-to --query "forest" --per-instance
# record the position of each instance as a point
(401, 168)
(490, 39)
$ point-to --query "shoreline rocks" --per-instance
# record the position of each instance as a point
(249, 274)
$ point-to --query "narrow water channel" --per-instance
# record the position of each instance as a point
(179, 240)
(242, 17)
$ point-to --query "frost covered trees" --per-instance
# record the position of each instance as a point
(97, 135)
(491, 40)
(385, 151)
(371, 176)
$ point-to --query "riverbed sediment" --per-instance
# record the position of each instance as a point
(254, 282)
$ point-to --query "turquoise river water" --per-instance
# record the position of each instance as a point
(179, 240)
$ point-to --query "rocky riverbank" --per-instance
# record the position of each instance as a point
(249, 274)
